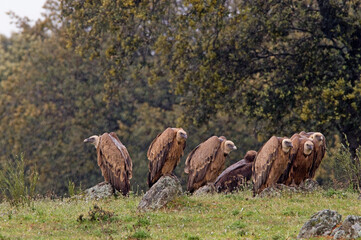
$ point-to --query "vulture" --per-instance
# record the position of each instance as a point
(165, 152)
(236, 174)
(271, 161)
(206, 161)
(319, 141)
(301, 161)
(114, 161)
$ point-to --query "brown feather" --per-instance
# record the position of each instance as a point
(164, 154)
(236, 175)
(205, 162)
(114, 162)
(270, 163)
(296, 145)
(298, 169)
(319, 152)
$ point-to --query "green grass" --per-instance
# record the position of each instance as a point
(237, 216)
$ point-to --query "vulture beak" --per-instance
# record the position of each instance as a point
(185, 136)
(309, 147)
(290, 144)
(89, 140)
(234, 147)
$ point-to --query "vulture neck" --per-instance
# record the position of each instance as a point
(96, 143)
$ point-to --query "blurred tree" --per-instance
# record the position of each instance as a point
(289, 65)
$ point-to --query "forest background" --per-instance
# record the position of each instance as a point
(243, 69)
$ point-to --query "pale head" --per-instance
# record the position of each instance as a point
(181, 136)
(307, 147)
(286, 145)
(93, 140)
(229, 146)
(317, 136)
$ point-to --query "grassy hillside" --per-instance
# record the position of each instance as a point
(236, 216)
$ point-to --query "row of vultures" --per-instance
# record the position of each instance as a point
(281, 160)
(247, 70)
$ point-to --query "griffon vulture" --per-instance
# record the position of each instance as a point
(206, 161)
(271, 161)
(319, 141)
(237, 174)
(165, 152)
(114, 161)
(301, 161)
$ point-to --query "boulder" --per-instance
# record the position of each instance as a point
(320, 224)
(101, 190)
(350, 228)
(310, 185)
(276, 190)
(206, 189)
(162, 192)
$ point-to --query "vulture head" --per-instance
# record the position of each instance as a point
(250, 156)
(307, 147)
(93, 140)
(317, 136)
(181, 136)
(286, 145)
(229, 146)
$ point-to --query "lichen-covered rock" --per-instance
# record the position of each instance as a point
(270, 192)
(350, 228)
(320, 224)
(276, 190)
(310, 185)
(162, 192)
(206, 189)
(99, 191)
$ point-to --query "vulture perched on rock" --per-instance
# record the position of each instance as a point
(165, 152)
(206, 161)
(271, 161)
(301, 161)
(236, 174)
(319, 142)
(114, 161)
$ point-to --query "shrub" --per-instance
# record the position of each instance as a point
(17, 182)
(348, 168)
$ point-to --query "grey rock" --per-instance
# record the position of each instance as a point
(276, 190)
(206, 189)
(99, 191)
(310, 185)
(320, 224)
(270, 192)
(162, 192)
(350, 228)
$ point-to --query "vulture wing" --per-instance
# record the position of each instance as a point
(112, 163)
(190, 155)
(125, 154)
(200, 158)
(231, 168)
(236, 175)
(158, 151)
(263, 163)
